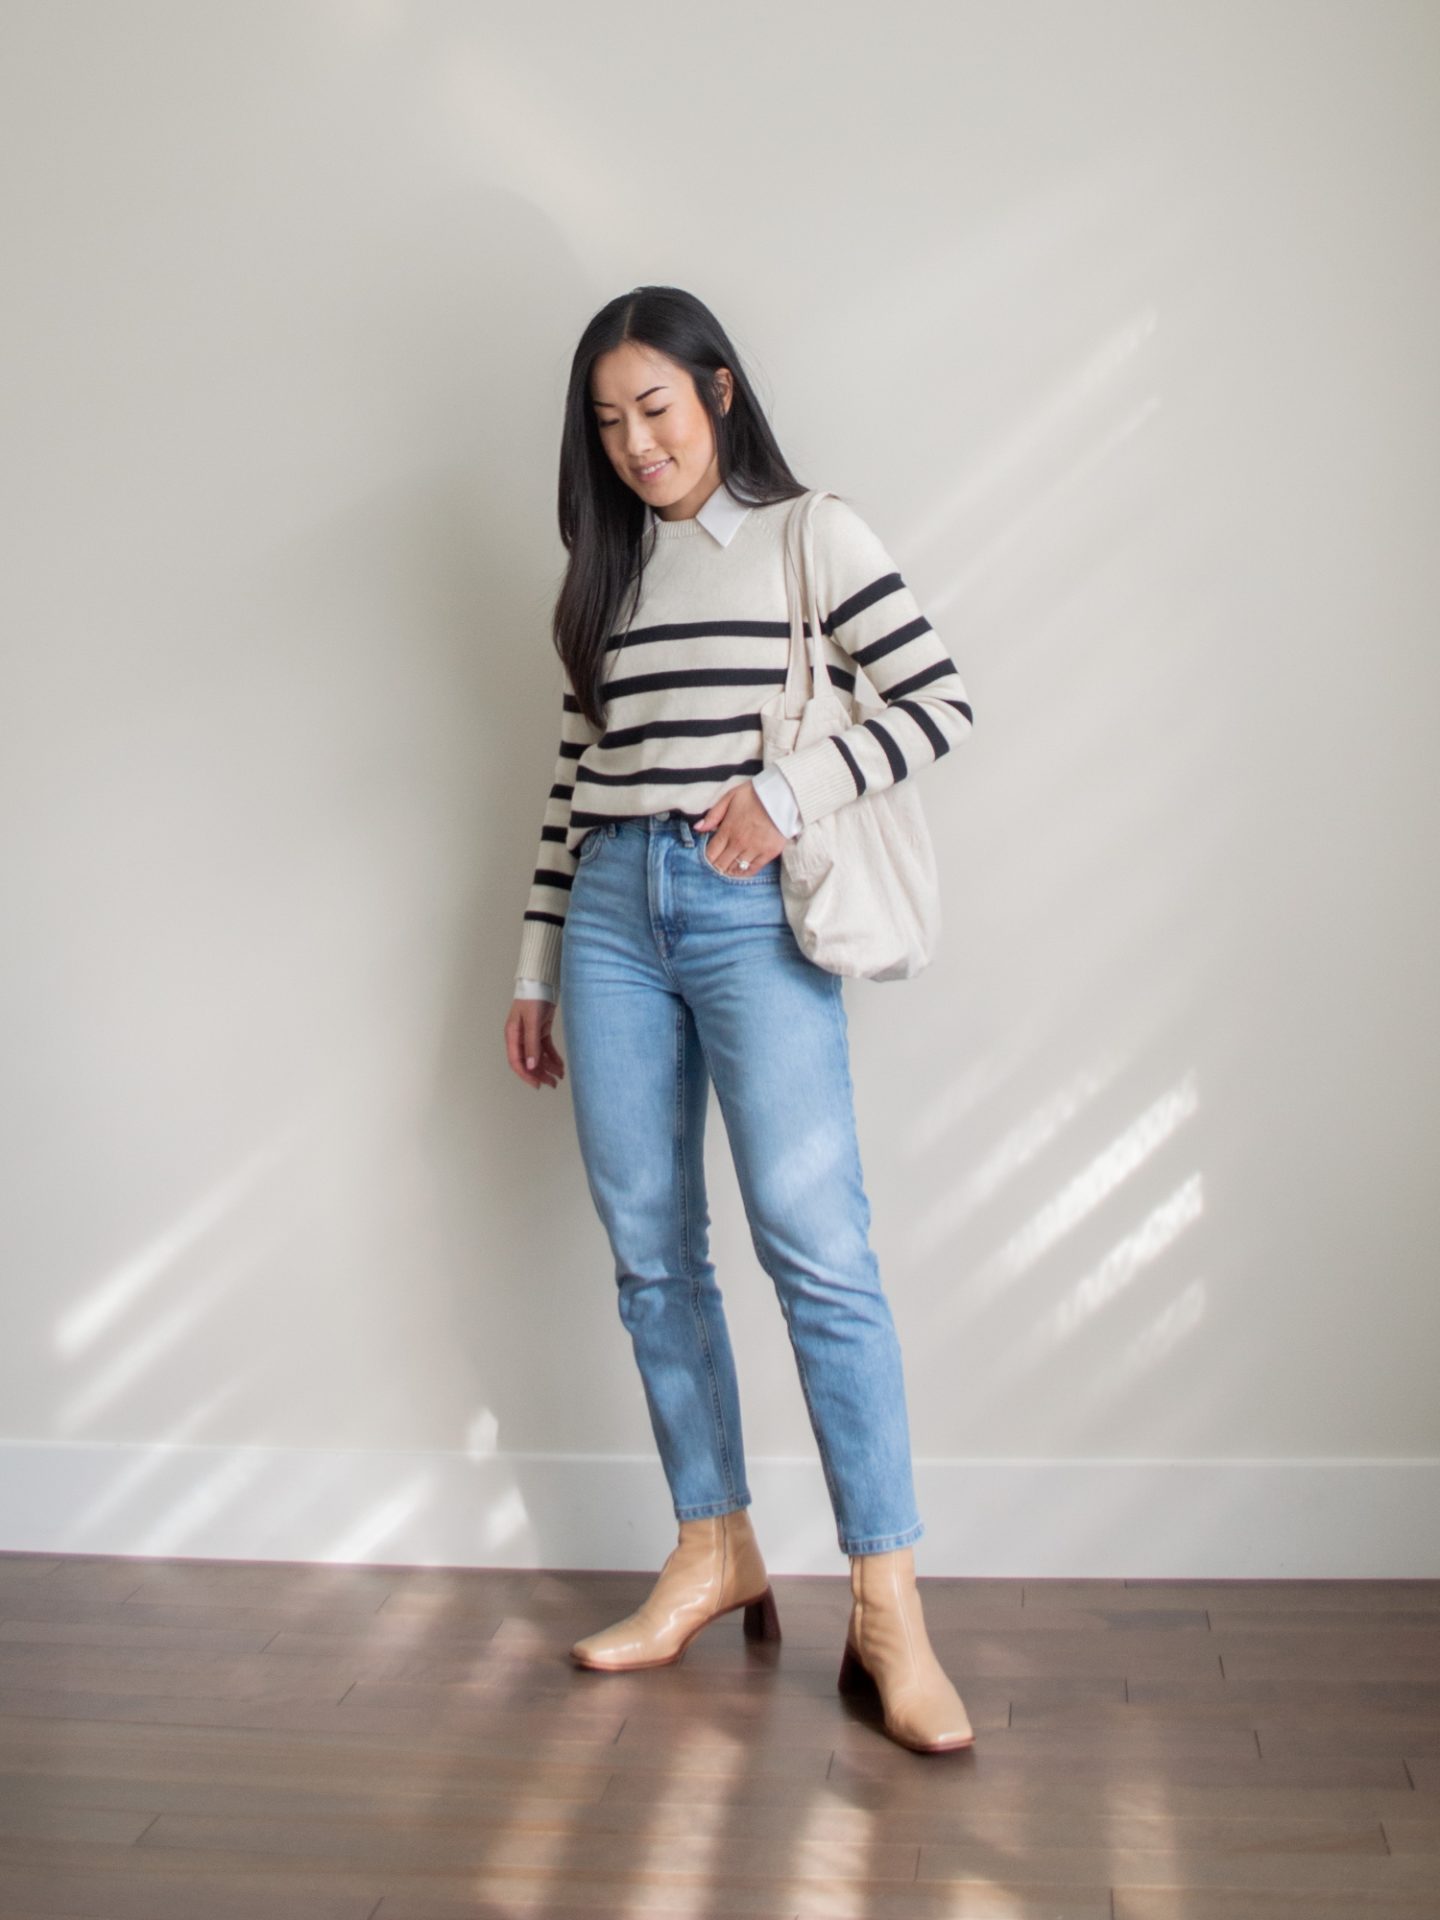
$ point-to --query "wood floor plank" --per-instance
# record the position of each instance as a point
(1329, 1770)
(1333, 1690)
(997, 1821)
(1107, 1867)
(1236, 1903)
(46, 1821)
(22, 1639)
(1243, 1619)
(162, 1669)
(70, 1913)
(1412, 1738)
(1374, 1653)
(63, 1892)
(1404, 1835)
(266, 1617)
(513, 1895)
(433, 1846)
(1363, 1596)
(167, 1877)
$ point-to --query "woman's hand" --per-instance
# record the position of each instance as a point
(743, 830)
(532, 1053)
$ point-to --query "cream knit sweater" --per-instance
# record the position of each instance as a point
(707, 646)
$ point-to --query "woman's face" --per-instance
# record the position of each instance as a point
(654, 428)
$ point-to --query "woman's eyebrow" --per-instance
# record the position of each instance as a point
(639, 396)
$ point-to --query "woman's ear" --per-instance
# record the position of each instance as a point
(724, 388)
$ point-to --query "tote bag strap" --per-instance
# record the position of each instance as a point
(804, 679)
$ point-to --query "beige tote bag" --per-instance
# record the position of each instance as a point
(860, 885)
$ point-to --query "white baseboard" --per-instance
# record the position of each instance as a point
(1036, 1519)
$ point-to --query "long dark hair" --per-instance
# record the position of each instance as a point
(602, 521)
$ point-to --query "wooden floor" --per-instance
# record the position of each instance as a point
(215, 1739)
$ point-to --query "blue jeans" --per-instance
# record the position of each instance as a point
(674, 974)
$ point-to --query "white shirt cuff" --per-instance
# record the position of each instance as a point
(777, 797)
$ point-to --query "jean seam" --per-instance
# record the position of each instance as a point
(717, 1410)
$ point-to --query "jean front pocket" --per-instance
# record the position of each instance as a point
(590, 846)
(769, 872)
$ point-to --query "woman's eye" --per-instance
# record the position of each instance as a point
(649, 415)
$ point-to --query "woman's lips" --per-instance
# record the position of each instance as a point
(642, 476)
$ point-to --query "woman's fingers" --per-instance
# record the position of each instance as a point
(533, 1055)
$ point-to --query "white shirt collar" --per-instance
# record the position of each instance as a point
(720, 516)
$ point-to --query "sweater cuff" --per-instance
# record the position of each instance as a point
(820, 777)
(540, 952)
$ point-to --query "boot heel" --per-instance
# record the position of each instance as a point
(855, 1678)
(762, 1618)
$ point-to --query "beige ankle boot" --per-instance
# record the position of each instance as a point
(715, 1568)
(888, 1652)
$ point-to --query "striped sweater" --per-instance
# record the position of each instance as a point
(706, 648)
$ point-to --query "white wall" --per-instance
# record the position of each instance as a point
(1118, 321)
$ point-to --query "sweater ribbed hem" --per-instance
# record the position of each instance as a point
(540, 953)
(820, 778)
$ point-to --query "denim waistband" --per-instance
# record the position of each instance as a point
(672, 820)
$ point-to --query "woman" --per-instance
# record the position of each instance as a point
(655, 913)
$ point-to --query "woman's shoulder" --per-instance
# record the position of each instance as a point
(845, 538)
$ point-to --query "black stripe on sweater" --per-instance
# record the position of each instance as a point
(880, 589)
(697, 630)
(672, 776)
(716, 677)
(680, 729)
(848, 757)
(939, 671)
(926, 723)
(899, 765)
(888, 642)
(695, 677)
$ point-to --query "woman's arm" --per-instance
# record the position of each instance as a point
(873, 618)
(549, 900)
